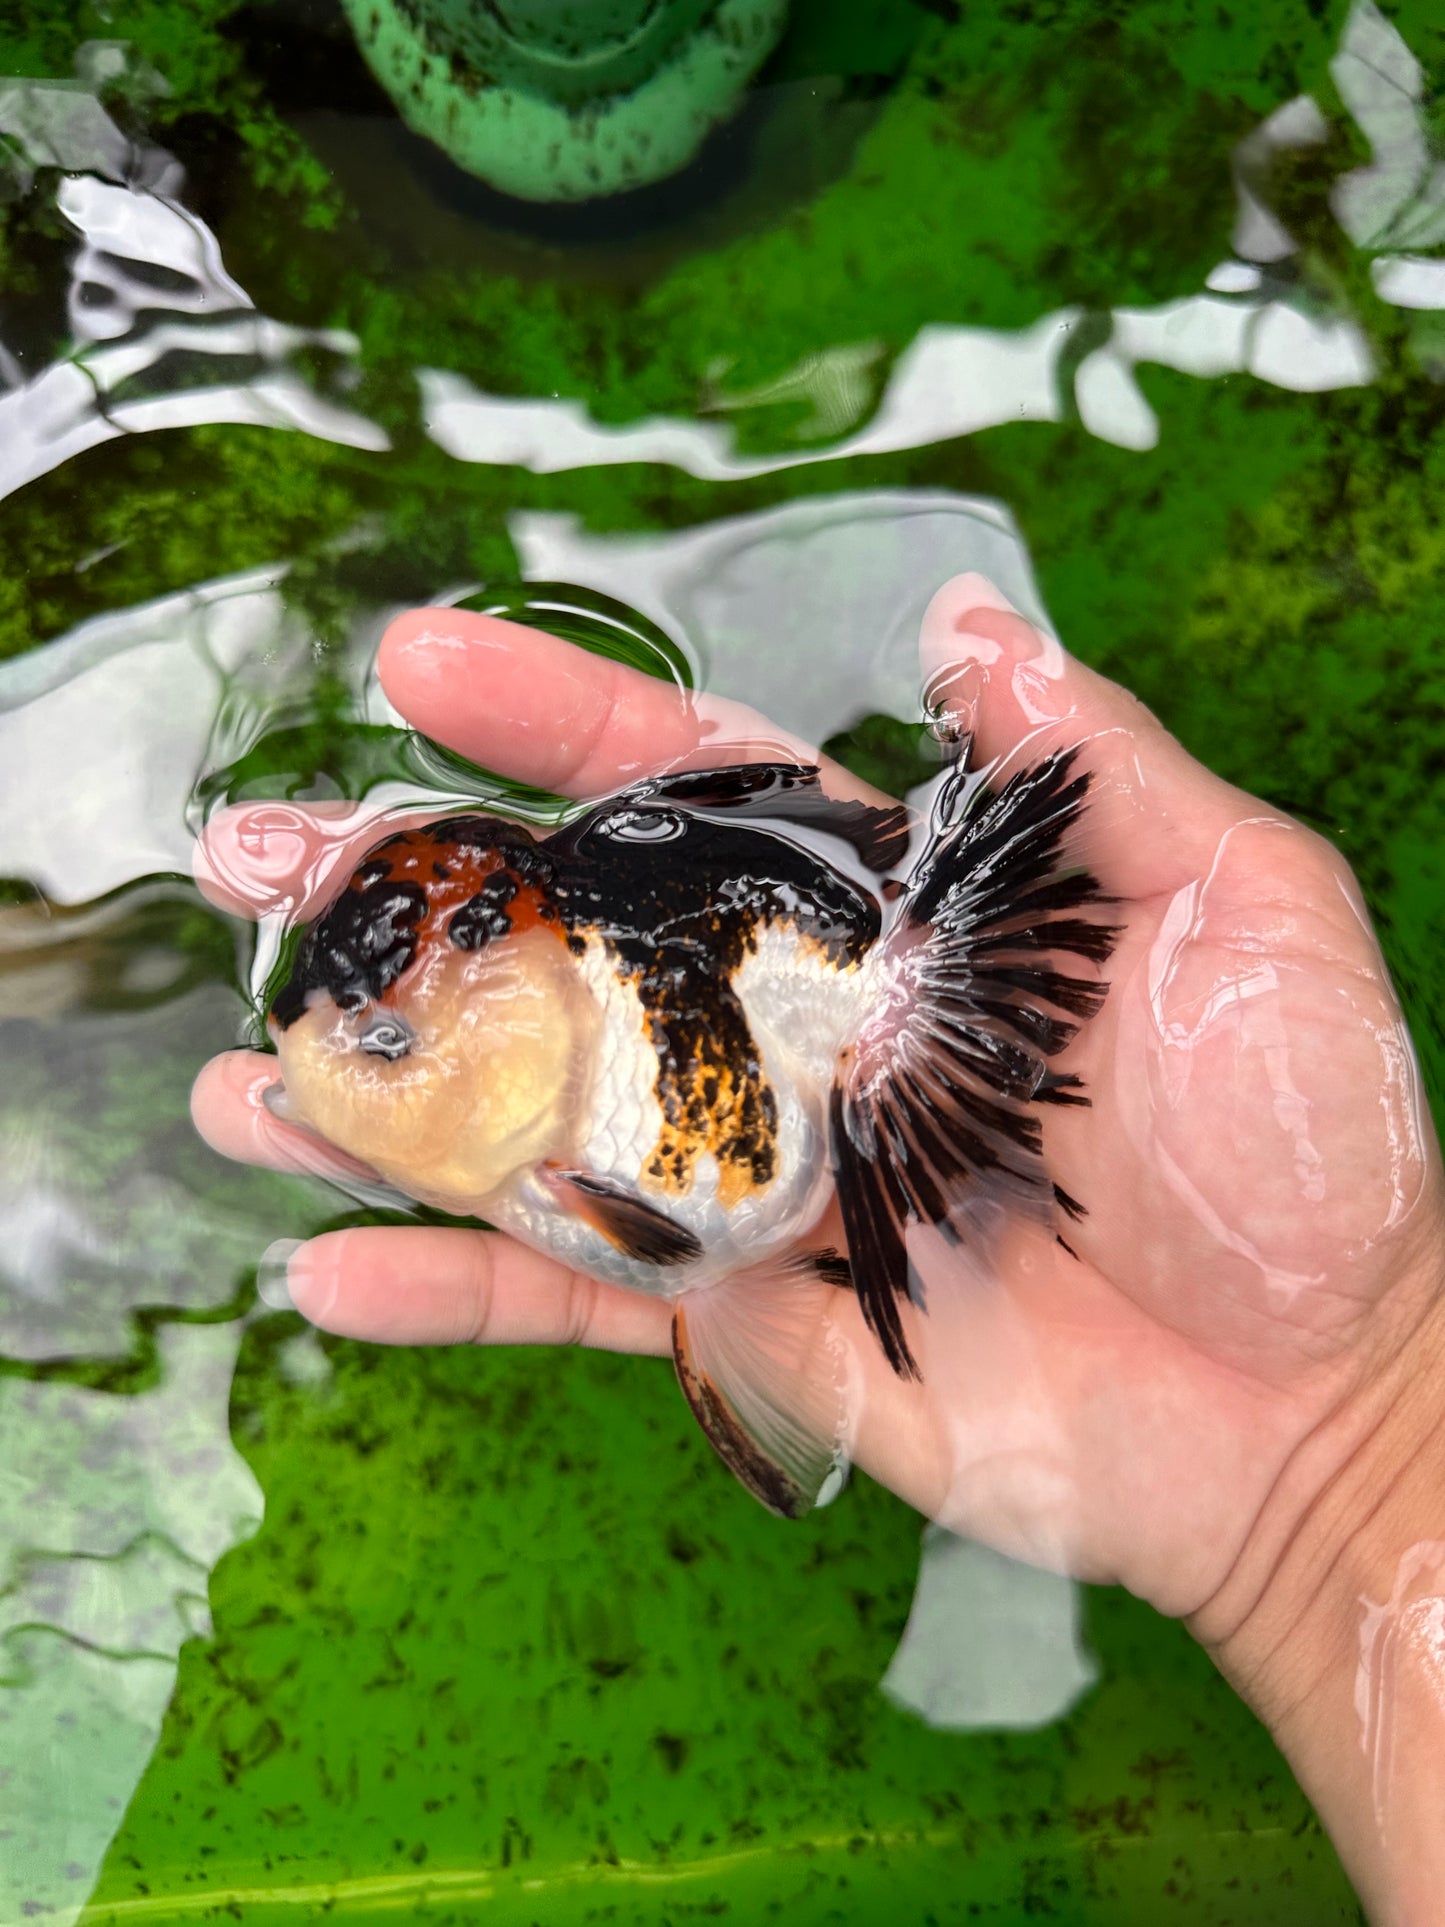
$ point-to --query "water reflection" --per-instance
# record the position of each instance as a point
(1398, 200)
(762, 602)
(161, 335)
(948, 382)
(954, 381)
(99, 1215)
(164, 337)
(143, 690)
(989, 1644)
(113, 1511)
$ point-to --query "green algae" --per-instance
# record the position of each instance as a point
(579, 1675)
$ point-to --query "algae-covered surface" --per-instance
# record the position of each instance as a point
(1141, 308)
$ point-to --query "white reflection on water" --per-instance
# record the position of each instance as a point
(61, 123)
(1209, 335)
(133, 696)
(761, 601)
(948, 382)
(112, 1513)
(81, 1249)
(989, 1643)
(162, 336)
(1398, 200)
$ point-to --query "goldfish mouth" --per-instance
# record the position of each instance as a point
(388, 1036)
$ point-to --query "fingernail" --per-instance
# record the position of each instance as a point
(973, 633)
(957, 622)
(273, 1274)
(277, 1100)
(292, 1277)
(977, 592)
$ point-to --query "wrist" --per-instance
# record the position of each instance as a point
(1332, 1621)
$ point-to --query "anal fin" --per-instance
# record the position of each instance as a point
(762, 1371)
(638, 1229)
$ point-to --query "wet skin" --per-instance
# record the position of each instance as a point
(1208, 1401)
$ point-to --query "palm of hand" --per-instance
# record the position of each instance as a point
(1255, 1165)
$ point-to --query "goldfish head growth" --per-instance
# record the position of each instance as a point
(435, 1024)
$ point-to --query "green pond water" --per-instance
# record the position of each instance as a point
(1141, 308)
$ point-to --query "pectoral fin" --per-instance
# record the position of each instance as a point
(762, 1370)
(638, 1229)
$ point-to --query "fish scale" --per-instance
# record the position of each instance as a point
(623, 1116)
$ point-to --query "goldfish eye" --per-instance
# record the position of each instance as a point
(645, 826)
(386, 1037)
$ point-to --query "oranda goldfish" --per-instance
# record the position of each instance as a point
(653, 1042)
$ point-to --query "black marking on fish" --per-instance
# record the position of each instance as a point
(753, 1360)
(359, 948)
(679, 900)
(833, 1268)
(484, 918)
(1062, 1089)
(638, 1229)
(525, 857)
(402, 899)
(934, 1115)
(1069, 1206)
(766, 1481)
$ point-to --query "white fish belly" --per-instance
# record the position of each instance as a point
(801, 1010)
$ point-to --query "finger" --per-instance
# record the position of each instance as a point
(1021, 694)
(229, 1111)
(546, 712)
(263, 859)
(514, 699)
(428, 1286)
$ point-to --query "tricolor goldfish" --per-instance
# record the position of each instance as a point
(653, 1042)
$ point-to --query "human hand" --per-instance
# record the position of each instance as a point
(1257, 1280)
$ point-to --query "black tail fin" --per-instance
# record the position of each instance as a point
(935, 1116)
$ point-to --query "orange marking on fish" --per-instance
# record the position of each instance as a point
(451, 874)
(710, 1105)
